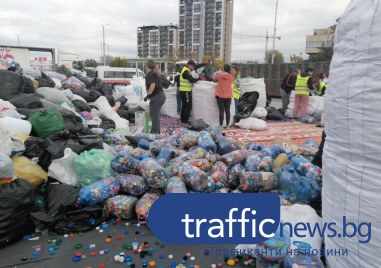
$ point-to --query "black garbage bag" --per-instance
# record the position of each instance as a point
(45, 81)
(270, 109)
(281, 110)
(81, 106)
(12, 84)
(199, 125)
(28, 112)
(83, 79)
(16, 201)
(34, 147)
(134, 140)
(123, 100)
(131, 113)
(83, 93)
(93, 107)
(62, 69)
(123, 112)
(165, 82)
(208, 71)
(73, 123)
(247, 103)
(55, 145)
(26, 101)
(107, 123)
(276, 115)
(94, 95)
(110, 99)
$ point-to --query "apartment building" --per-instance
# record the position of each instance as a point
(320, 38)
(157, 41)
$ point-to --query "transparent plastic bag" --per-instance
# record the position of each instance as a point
(175, 185)
(125, 164)
(280, 161)
(93, 165)
(253, 161)
(98, 192)
(223, 145)
(275, 245)
(73, 83)
(234, 158)
(251, 182)
(266, 164)
(201, 153)
(121, 206)
(153, 173)
(164, 156)
(220, 173)
(206, 142)
(143, 206)
(194, 177)
(234, 175)
(28, 170)
(202, 164)
(214, 131)
(132, 184)
(188, 140)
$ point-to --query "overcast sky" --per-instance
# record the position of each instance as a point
(75, 24)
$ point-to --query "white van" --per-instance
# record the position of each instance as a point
(116, 75)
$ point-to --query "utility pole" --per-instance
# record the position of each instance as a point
(104, 44)
(18, 39)
(202, 34)
(276, 14)
(108, 46)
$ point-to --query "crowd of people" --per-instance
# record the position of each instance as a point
(228, 86)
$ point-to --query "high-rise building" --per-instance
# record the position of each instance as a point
(321, 38)
(157, 41)
(205, 29)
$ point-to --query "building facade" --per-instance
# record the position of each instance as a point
(157, 41)
(205, 29)
(320, 38)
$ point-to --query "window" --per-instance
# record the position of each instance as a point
(197, 7)
(218, 6)
(115, 74)
(196, 21)
(196, 36)
(315, 44)
(182, 22)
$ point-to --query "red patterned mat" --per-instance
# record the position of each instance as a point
(296, 131)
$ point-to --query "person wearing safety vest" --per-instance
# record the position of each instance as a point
(321, 88)
(303, 85)
(236, 87)
(186, 86)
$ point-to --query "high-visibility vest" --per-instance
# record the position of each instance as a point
(185, 84)
(321, 86)
(301, 85)
(236, 89)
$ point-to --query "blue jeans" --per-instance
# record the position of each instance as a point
(178, 100)
(236, 106)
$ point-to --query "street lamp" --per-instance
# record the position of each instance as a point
(104, 44)
(18, 39)
(274, 36)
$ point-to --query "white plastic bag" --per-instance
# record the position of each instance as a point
(315, 105)
(63, 169)
(5, 142)
(53, 95)
(259, 112)
(169, 107)
(105, 108)
(252, 123)
(58, 83)
(16, 126)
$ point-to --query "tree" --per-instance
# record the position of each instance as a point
(296, 59)
(277, 59)
(91, 63)
(218, 64)
(118, 62)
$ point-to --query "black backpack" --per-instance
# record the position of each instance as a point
(165, 82)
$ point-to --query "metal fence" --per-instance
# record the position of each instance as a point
(274, 73)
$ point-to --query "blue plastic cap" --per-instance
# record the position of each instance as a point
(303, 247)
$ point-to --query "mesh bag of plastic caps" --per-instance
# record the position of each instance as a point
(280, 161)
(202, 164)
(223, 145)
(304, 167)
(125, 164)
(194, 177)
(308, 190)
(99, 191)
(234, 158)
(132, 184)
(206, 142)
(275, 245)
(112, 138)
(164, 156)
(144, 204)
(307, 119)
(288, 179)
(222, 191)
(254, 147)
(234, 175)
(201, 153)
(266, 164)
(153, 173)
(188, 140)
(219, 173)
(180, 159)
(214, 131)
(174, 140)
(121, 206)
(257, 181)
(156, 146)
(73, 83)
(141, 154)
(253, 161)
(236, 145)
(93, 165)
(175, 185)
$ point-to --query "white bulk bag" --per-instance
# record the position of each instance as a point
(252, 123)
(315, 105)
(205, 103)
(352, 152)
(170, 106)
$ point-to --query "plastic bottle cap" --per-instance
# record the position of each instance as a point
(76, 259)
(152, 264)
(107, 251)
(192, 258)
(116, 257)
(188, 254)
(108, 240)
(170, 257)
(101, 230)
(92, 254)
(83, 257)
(101, 252)
(118, 237)
(101, 265)
(231, 262)
(78, 246)
(127, 224)
(121, 259)
(78, 253)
